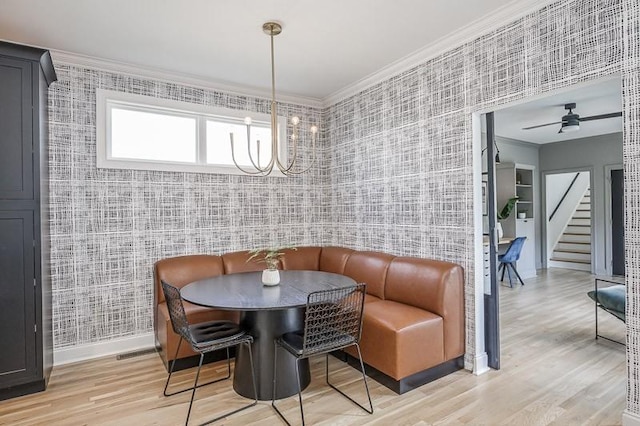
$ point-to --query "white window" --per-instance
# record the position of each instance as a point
(146, 133)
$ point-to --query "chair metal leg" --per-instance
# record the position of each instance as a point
(195, 387)
(255, 392)
(299, 389)
(596, 304)
(501, 267)
(273, 395)
(173, 362)
(364, 379)
(513, 266)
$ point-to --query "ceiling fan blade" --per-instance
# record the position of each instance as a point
(541, 125)
(601, 116)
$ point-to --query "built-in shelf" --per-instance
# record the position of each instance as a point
(517, 180)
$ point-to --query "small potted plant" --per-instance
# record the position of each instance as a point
(271, 257)
(505, 213)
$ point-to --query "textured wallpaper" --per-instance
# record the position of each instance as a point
(401, 165)
(108, 227)
(395, 172)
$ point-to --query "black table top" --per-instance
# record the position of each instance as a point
(245, 291)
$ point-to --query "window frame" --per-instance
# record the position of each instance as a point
(106, 100)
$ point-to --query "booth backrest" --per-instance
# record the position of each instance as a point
(182, 270)
(301, 259)
(334, 259)
(432, 285)
(369, 267)
(236, 261)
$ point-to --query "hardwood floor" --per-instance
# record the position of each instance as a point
(553, 373)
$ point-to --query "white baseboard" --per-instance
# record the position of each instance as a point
(100, 349)
(481, 364)
(630, 419)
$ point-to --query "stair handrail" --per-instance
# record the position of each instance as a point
(575, 178)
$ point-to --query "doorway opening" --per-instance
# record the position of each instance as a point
(568, 220)
(538, 148)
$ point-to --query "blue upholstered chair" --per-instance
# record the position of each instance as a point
(509, 258)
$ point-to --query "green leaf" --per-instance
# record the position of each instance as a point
(508, 208)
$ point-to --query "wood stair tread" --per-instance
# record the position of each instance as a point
(562, 259)
(575, 242)
(579, 251)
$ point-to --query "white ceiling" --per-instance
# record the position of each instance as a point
(592, 99)
(325, 45)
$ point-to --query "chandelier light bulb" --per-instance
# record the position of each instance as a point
(274, 162)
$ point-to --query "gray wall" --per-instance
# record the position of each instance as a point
(592, 153)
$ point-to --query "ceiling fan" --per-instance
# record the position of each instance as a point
(571, 121)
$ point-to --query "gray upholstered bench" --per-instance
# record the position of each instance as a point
(610, 299)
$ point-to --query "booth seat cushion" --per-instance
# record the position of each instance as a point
(434, 286)
(370, 299)
(400, 340)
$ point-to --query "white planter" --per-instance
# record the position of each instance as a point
(499, 228)
(270, 277)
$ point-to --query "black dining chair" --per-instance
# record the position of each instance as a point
(205, 337)
(333, 320)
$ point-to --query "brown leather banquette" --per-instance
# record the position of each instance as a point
(413, 324)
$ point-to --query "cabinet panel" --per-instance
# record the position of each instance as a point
(25, 326)
(16, 131)
(17, 298)
(527, 263)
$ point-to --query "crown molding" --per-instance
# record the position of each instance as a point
(510, 12)
(69, 58)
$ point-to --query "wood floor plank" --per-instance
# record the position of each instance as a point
(553, 373)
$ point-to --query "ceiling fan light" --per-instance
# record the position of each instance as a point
(570, 128)
(570, 122)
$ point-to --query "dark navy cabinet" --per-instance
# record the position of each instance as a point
(26, 353)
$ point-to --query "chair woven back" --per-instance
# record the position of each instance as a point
(333, 319)
(177, 314)
(513, 251)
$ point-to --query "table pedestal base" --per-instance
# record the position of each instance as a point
(265, 326)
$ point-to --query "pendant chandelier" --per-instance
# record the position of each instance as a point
(272, 29)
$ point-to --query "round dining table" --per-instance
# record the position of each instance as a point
(267, 312)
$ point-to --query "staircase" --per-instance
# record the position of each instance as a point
(573, 250)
